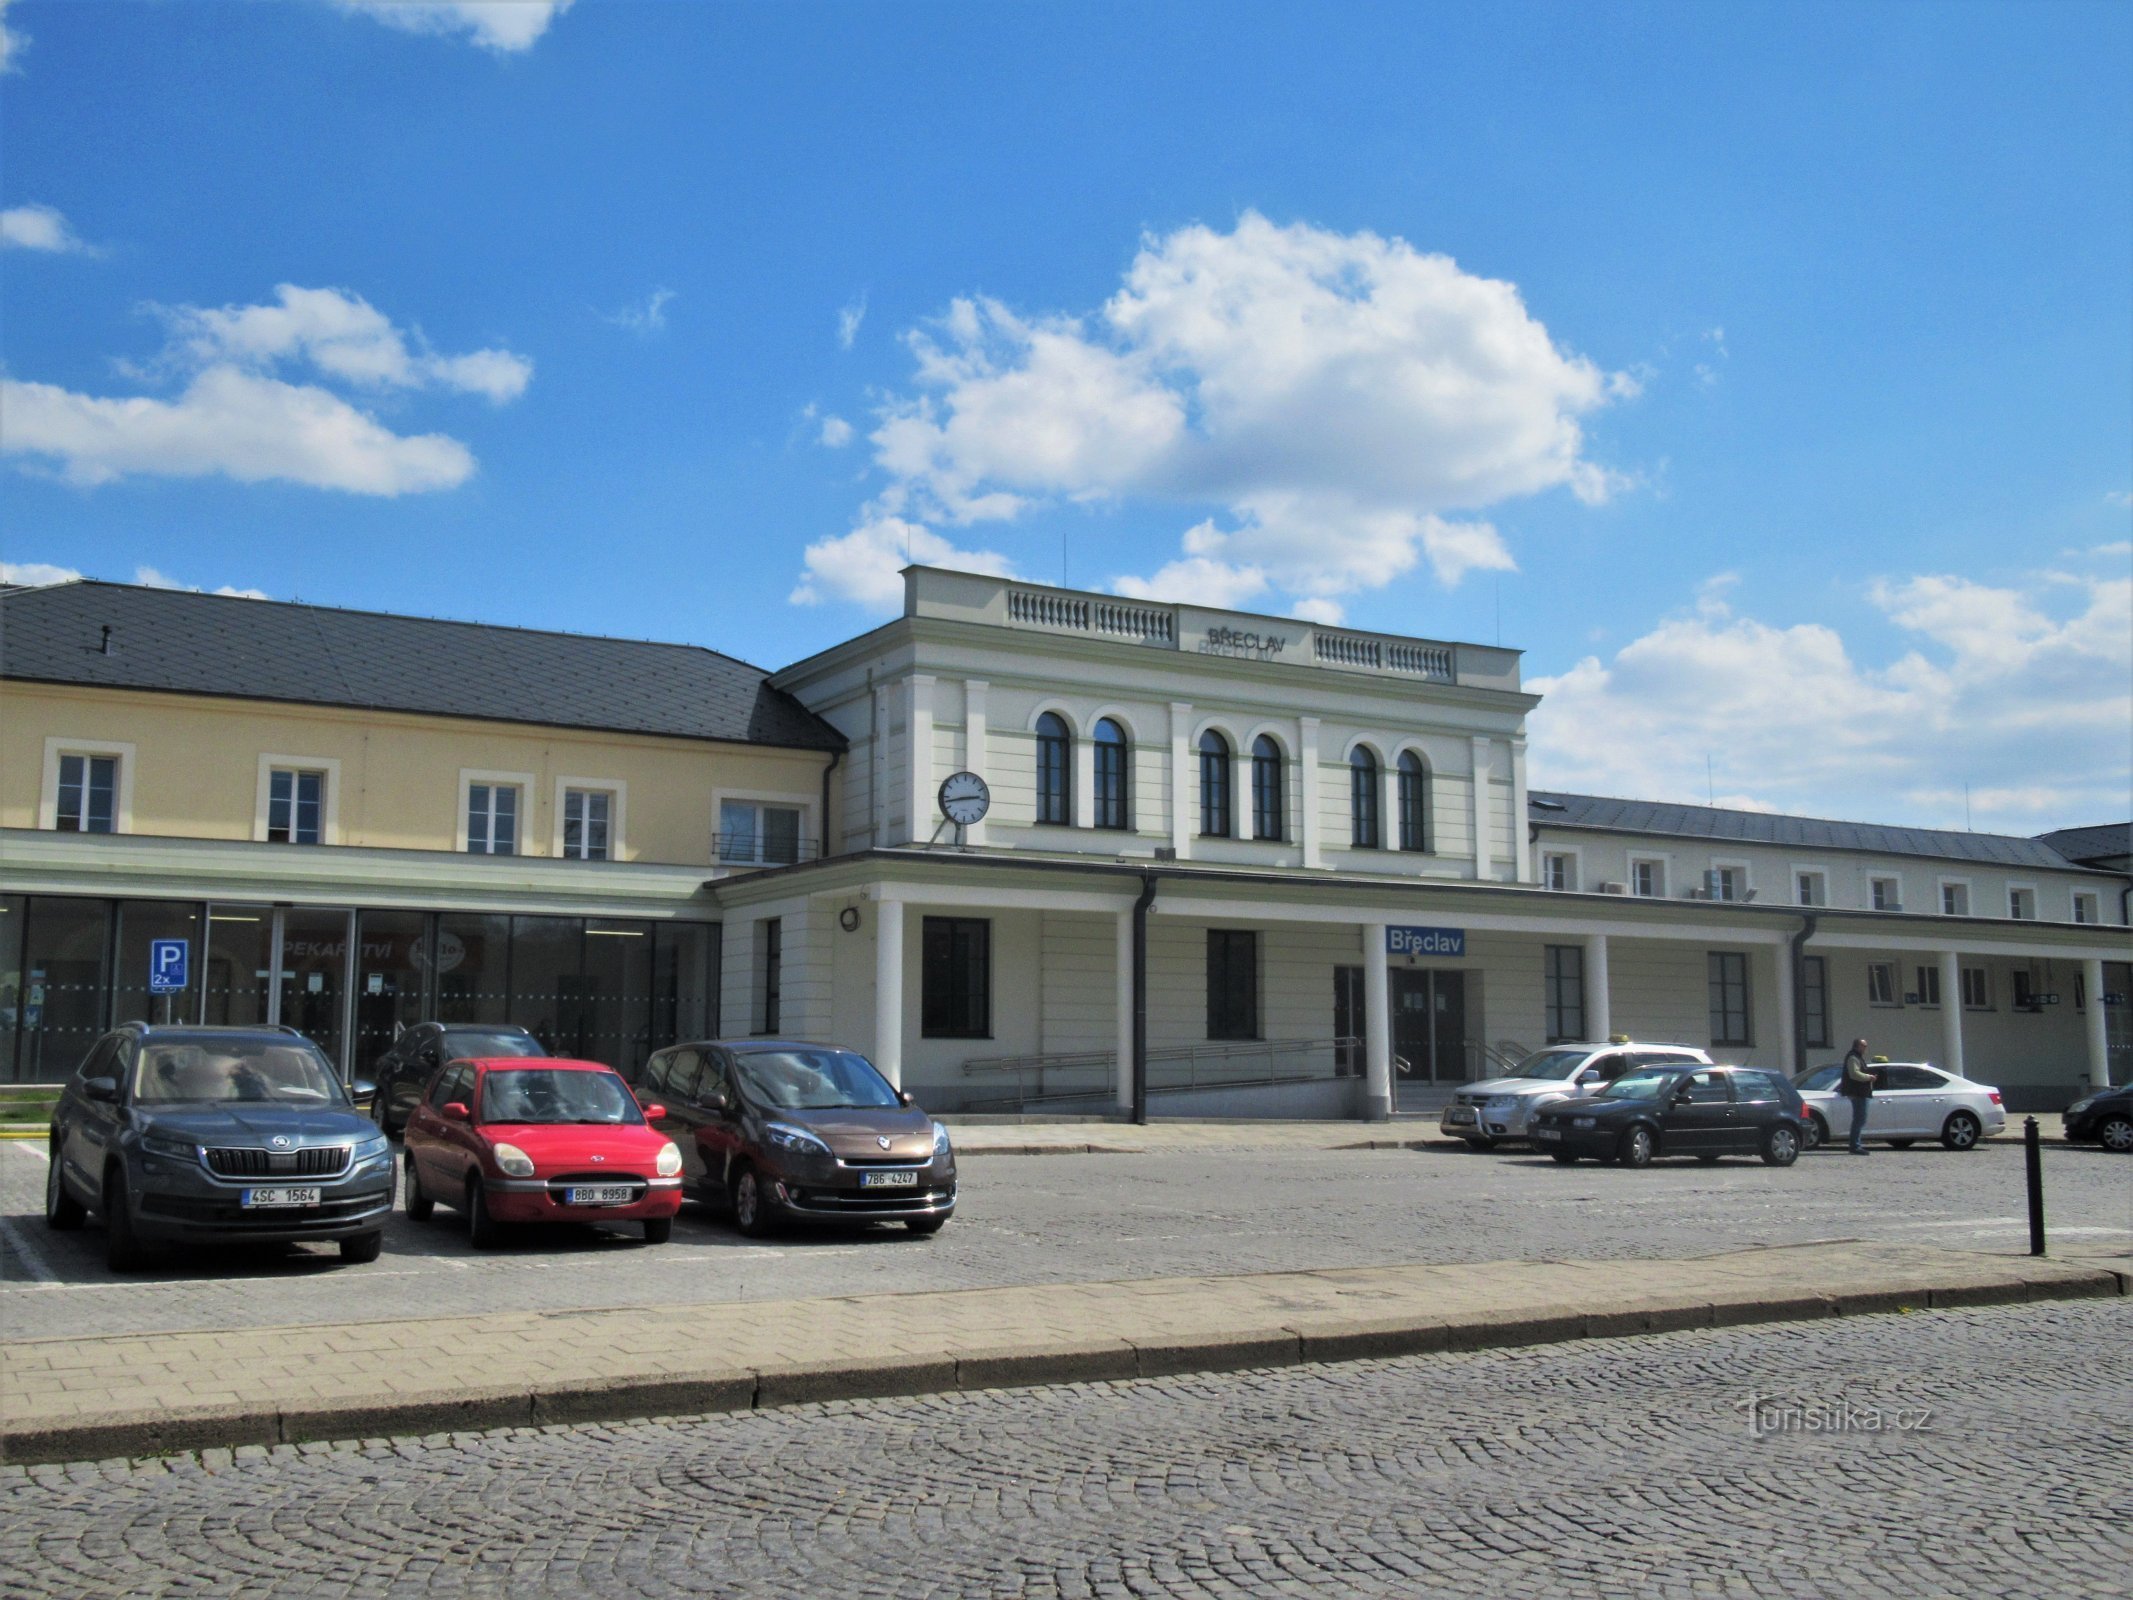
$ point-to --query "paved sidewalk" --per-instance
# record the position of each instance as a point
(144, 1394)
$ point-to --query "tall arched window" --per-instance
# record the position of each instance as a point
(1114, 795)
(1363, 799)
(1268, 790)
(1055, 769)
(1214, 785)
(1414, 802)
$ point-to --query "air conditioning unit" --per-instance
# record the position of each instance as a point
(1614, 888)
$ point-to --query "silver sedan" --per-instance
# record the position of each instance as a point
(1913, 1100)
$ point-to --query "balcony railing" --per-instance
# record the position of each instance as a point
(737, 849)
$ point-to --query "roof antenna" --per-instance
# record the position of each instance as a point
(1710, 794)
(1966, 805)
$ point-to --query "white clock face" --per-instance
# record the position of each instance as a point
(964, 798)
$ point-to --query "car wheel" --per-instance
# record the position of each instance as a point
(1636, 1148)
(2116, 1133)
(62, 1212)
(1901, 1144)
(362, 1247)
(1564, 1158)
(1781, 1147)
(122, 1248)
(419, 1205)
(658, 1230)
(1481, 1144)
(751, 1211)
(924, 1226)
(1816, 1133)
(482, 1231)
(1960, 1131)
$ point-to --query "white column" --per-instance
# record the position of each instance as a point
(889, 990)
(1484, 823)
(1599, 1012)
(974, 742)
(1377, 1024)
(1184, 763)
(1123, 1076)
(1521, 826)
(1307, 818)
(918, 737)
(2099, 1034)
(1951, 1014)
(1781, 959)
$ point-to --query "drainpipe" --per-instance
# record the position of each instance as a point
(1799, 994)
(1140, 999)
(822, 853)
(873, 763)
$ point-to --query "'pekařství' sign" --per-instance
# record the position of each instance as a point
(1425, 941)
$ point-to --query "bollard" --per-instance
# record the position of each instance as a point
(2033, 1156)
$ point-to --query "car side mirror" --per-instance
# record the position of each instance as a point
(904, 1097)
(456, 1111)
(104, 1089)
(718, 1100)
(1682, 1096)
(362, 1090)
(653, 1113)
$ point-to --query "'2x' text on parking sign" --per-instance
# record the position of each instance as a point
(1425, 941)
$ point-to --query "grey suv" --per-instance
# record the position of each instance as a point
(215, 1134)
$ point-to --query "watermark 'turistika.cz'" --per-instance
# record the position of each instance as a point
(1771, 1414)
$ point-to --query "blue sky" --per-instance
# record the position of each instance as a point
(1765, 373)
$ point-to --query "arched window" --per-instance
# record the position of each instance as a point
(1268, 790)
(1363, 799)
(1414, 802)
(1114, 796)
(1055, 769)
(1214, 785)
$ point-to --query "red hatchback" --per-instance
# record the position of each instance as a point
(519, 1140)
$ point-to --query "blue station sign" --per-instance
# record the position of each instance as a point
(1401, 941)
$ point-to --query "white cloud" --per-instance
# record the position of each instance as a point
(848, 320)
(1342, 398)
(2120, 497)
(647, 319)
(11, 43)
(1328, 612)
(504, 26)
(35, 574)
(1199, 581)
(836, 433)
(865, 565)
(2025, 693)
(40, 227)
(157, 580)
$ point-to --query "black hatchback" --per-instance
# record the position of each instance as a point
(230, 1135)
(405, 1070)
(2104, 1117)
(1705, 1112)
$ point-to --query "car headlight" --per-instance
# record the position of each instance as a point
(940, 1139)
(375, 1148)
(163, 1144)
(669, 1162)
(784, 1136)
(1503, 1102)
(512, 1161)
(2073, 1110)
(1584, 1122)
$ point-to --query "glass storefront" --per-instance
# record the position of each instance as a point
(609, 989)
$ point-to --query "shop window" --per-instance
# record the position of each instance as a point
(1884, 894)
(1881, 983)
(65, 974)
(1215, 810)
(1729, 997)
(1232, 983)
(88, 794)
(492, 819)
(587, 815)
(1055, 768)
(296, 806)
(1414, 802)
(1977, 989)
(1928, 989)
(1564, 967)
(1955, 899)
(955, 978)
(1559, 871)
(1814, 1002)
(1114, 790)
(1269, 791)
(754, 834)
(1363, 799)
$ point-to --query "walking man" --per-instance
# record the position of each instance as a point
(1858, 1088)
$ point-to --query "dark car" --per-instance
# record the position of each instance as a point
(238, 1135)
(2105, 1117)
(404, 1071)
(806, 1132)
(1705, 1112)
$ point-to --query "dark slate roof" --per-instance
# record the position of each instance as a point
(1805, 833)
(2113, 841)
(188, 643)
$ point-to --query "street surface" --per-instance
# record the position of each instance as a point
(1084, 1218)
(1984, 1454)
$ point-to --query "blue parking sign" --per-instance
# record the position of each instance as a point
(167, 963)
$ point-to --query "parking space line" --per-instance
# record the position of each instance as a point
(30, 1147)
(26, 1253)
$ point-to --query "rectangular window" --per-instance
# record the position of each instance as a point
(1977, 989)
(585, 824)
(492, 819)
(1647, 878)
(1728, 883)
(1881, 983)
(1814, 1001)
(88, 794)
(1565, 984)
(1729, 997)
(1928, 986)
(1885, 895)
(1955, 899)
(1811, 889)
(2024, 997)
(757, 835)
(770, 976)
(1559, 872)
(955, 997)
(296, 806)
(2085, 908)
(1232, 983)
(2022, 904)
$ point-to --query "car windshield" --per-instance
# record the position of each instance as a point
(551, 1094)
(282, 1071)
(1549, 1064)
(1820, 1078)
(815, 1080)
(463, 1044)
(1639, 1086)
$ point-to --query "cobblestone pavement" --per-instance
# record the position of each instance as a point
(1628, 1467)
(1086, 1218)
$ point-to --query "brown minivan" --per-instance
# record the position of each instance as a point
(780, 1130)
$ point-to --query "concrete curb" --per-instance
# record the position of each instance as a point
(1112, 1358)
